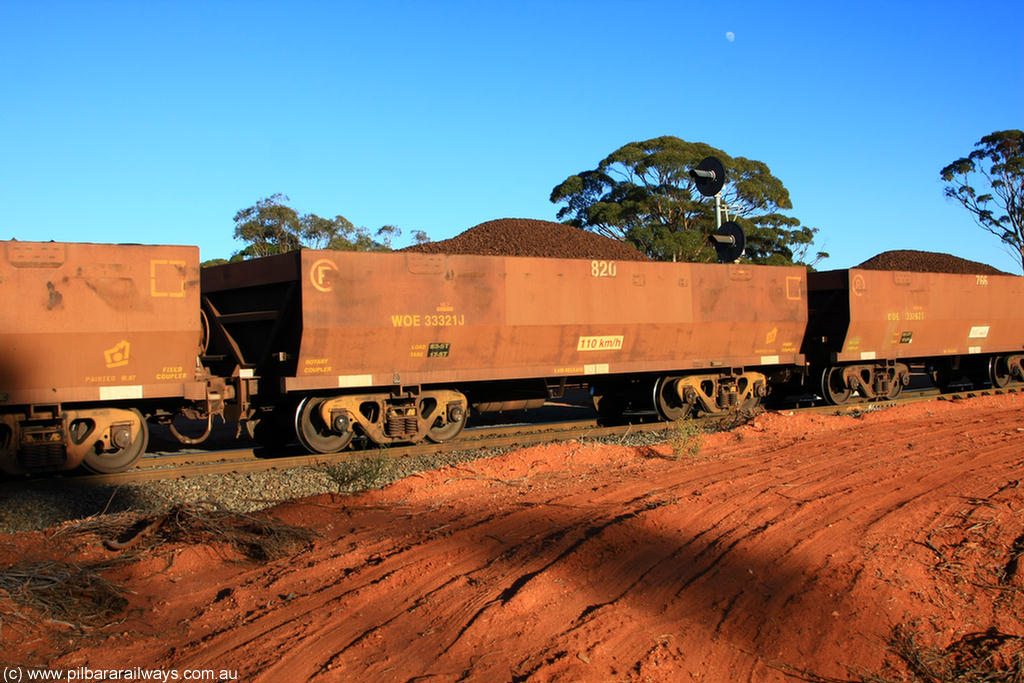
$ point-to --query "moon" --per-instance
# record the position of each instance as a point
(730, 36)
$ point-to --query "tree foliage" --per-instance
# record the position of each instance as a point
(642, 193)
(989, 183)
(272, 227)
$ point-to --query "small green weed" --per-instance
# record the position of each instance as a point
(686, 438)
(363, 473)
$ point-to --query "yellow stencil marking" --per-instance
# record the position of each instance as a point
(320, 274)
(118, 355)
(794, 288)
(167, 278)
(602, 343)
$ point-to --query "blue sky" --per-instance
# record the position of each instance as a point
(156, 121)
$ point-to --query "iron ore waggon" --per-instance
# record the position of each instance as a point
(400, 347)
(871, 329)
(96, 339)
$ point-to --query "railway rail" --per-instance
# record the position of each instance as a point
(155, 467)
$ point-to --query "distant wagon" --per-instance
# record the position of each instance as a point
(869, 329)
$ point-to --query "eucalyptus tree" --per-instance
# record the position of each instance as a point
(271, 226)
(989, 183)
(643, 194)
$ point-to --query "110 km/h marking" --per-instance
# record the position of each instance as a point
(604, 343)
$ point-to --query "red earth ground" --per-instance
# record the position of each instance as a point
(792, 546)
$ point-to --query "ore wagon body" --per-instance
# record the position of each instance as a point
(92, 331)
(400, 344)
(868, 326)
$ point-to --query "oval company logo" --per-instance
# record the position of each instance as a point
(320, 274)
(859, 285)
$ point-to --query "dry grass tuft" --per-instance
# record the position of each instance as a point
(989, 657)
(362, 473)
(256, 537)
(61, 592)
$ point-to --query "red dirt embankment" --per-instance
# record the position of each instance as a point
(794, 543)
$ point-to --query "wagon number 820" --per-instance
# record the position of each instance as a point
(602, 268)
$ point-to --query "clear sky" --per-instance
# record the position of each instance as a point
(155, 121)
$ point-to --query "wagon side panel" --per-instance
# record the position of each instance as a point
(898, 314)
(92, 322)
(384, 319)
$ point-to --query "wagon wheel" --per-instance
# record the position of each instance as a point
(313, 434)
(750, 404)
(443, 430)
(895, 384)
(124, 453)
(999, 372)
(667, 401)
(895, 387)
(833, 386)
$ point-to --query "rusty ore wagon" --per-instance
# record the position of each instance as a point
(400, 346)
(97, 338)
(870, 329)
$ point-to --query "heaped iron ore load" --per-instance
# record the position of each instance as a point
(915, 261)
(529, 237)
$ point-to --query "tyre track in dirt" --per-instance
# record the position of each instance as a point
(714, 551)
(788, 542)
(365, 563)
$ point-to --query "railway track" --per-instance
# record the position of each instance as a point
(154, 467)
(254, 459)
(258, 459)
